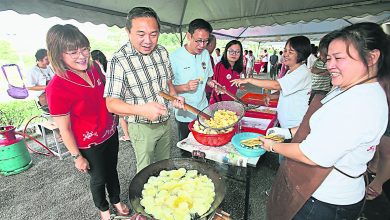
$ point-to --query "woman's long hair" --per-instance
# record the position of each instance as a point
(62, 38)
(238, 65)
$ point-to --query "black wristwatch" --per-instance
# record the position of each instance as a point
(75, 156)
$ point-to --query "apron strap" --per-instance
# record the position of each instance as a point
(346, 174)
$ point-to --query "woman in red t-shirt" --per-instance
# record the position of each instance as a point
(229, 68)
(75, 99)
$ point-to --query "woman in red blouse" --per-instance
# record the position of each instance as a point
(75, 98)
(229, 68)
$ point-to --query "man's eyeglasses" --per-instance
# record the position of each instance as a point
(74, 54)
(200, 41)
(234, 52)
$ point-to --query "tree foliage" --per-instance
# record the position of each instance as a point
(17, 113)
(8, 53)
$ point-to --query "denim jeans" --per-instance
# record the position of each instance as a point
(317, 210)
(103, 160)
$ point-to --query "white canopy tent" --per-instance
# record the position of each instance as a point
(259, 20)
(314, 30)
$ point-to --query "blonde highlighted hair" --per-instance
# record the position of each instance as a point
(62, 38)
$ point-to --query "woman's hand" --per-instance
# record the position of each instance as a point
(81, 164)
(239, 82)
(267, 144)
(267, 100)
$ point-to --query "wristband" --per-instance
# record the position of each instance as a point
(75, 156)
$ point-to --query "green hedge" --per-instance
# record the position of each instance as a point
(18, 113)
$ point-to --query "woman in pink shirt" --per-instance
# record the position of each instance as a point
(229, 68)
(75, 99)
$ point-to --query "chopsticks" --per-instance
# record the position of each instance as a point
(231, 95)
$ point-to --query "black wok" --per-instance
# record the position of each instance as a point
(137, 184)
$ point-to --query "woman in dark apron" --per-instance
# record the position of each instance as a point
(322, 177)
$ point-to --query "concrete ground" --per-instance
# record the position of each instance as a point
(53, 189)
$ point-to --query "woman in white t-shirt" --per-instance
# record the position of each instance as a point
(344, 132)
(294, 88)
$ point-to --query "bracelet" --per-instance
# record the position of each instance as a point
(271, 147)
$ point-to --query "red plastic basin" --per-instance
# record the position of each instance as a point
(213, 140)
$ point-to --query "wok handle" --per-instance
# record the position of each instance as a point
(186, 106)
(199, 155)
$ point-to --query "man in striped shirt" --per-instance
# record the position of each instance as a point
(321, 79)
(138, 71)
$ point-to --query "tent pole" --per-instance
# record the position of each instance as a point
(181, 21)
(181, 37)
(241, 33)
(346, 20)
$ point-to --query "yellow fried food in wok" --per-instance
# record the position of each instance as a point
(178, 194)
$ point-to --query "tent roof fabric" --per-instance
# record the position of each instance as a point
(314, 29)
(222, 14)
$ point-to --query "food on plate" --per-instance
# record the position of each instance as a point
(222, 118)
(275, 137)
(251, 143)
(201, 129)
(178, 194)
(256, 142)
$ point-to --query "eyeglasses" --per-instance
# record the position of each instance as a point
(234, 52)
(74, 54)
(200, 41)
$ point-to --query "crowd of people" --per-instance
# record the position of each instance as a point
(328, 142)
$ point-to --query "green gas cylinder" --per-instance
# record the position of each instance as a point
(14, 156)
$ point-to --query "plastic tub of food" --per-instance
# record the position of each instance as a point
(213, 140)
(244, 150)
